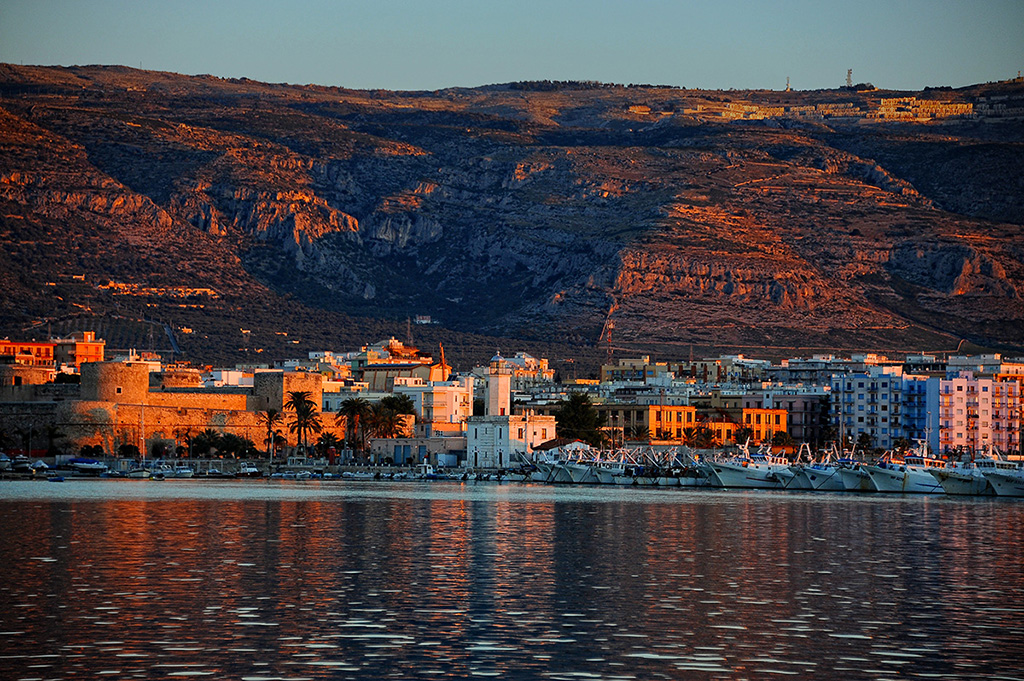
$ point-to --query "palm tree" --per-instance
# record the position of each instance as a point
(382, 421)
(53, 433)
(205, 441)
(350, 415)
(270, 418)
(306, 418)
(326, 442)
(400, 404)
(638, 433)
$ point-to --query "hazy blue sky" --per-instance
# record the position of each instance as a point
(430, 44)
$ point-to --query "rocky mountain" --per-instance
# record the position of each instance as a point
(554, 214)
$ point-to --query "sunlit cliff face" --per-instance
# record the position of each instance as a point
(831, 219)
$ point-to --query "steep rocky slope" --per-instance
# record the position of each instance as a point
(543, 214)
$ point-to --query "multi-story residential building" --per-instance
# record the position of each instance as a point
(657, 422)
(974, 415)
(442, 407)
(724, 369)
(807, 409)
(819, 369)
(639, 370)
(869, 403)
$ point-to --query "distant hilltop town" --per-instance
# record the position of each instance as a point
(903, 109)
(389, 402)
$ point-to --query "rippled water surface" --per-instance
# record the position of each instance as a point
(263, 580)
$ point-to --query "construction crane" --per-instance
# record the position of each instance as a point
(606, 336)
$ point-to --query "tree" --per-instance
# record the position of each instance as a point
(326, 441)
(782, 439)
(270, 418)
(864, 441)
(350, 415)
(205, 442)
(743, 434)
(53, 433)
(400, 404)
(382, 421)
(184, 433)
(576, 417)
(704, 438)
(638, 433)
(306, 418)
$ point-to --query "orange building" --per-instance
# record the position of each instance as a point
(662, 422)
(765, 423)
(29, 353)
(81, 347)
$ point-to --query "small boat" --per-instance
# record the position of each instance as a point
(83, 466)
(182, 472)
(137, 473)
(248, 470)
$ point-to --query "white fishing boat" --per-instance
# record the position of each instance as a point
(181, 472)
(753, 471)
(966, 478)
(854, 476)
(909, 475)
(824, 477)
(1006, 478)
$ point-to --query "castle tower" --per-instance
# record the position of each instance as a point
(499, 388)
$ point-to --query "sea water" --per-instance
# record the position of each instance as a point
(262, 580)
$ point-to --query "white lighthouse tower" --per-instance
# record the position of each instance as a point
(499, 387)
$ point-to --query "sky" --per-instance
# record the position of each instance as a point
(434, 44)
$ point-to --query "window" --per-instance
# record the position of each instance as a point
(118, 390)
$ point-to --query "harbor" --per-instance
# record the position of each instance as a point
(910, 473)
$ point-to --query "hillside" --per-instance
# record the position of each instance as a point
(535, 214)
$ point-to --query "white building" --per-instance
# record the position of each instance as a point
(870, 403)
(500, 439)
(442, 407)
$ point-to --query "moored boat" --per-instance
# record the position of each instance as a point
(966, 478)
(909, 475)
(752, 471)
(1006, 478)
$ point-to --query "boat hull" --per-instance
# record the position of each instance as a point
(1006, 483)
(856, 480)
(750, 476)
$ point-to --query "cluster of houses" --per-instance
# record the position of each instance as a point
(495, 414)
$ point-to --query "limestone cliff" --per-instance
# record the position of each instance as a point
(681, 216)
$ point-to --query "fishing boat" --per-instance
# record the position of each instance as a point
(966, 478)
(762, 470)
(1006, 478)
(910, 474)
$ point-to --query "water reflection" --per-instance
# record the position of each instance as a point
(263, 582)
